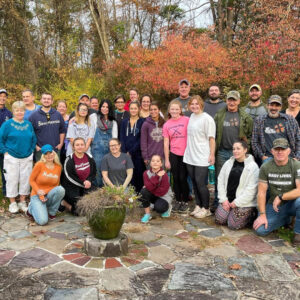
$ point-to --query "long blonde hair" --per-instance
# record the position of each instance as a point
(87, 118)
(55, 160)
(175, 101)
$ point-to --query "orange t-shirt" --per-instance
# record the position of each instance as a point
(43, 178)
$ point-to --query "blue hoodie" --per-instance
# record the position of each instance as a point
(47, 132)
(5, 115)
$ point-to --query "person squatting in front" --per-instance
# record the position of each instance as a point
(156, 190)
(46, 193)
(281, 175)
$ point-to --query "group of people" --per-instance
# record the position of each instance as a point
(255, 150)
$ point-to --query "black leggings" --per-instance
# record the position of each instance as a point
(160, 205)
(198, 176)
(179, 172)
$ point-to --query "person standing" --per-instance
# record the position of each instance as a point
(184, 88)
(30, 106)
(133, 96)
(281, 176)
(200, 153)
(94, 103)
(5, 115)
(17, 143)
(293, 108)
(106, 129)
(274, 125)
(152, 140)
(175, 138)
(131, 143)
(146, 101)
(120, 112)
(49, 126)
(214, 103)
(255, 107)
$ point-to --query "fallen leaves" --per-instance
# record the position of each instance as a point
(235, 267)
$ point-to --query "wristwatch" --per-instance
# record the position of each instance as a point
(280, 197)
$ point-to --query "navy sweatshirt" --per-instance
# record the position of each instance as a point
(131, 137)
(47, 131)
(5, 114)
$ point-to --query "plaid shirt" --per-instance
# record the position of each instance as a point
(292, 131)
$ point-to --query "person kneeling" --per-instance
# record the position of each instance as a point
(156, 190)
(237, 189)
(281, 175)
(79, 173)
(46, 193)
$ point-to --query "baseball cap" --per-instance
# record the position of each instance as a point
(233, 94)
(3, 91)
(83, 95)
(46, 148)
(275, 99)
(184, 81)
(255, 86)
(280, 143)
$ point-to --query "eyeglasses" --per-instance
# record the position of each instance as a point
(115, 145)
(83, 109)
(48, 117)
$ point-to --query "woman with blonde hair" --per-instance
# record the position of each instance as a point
(175, 137)
(200, 153)
(81, 127)
(17, 143)
(46, 193)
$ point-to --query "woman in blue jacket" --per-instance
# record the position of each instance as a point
(131, 143)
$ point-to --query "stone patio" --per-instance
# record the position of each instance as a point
(174, 258)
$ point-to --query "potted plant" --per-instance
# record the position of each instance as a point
(105, 209)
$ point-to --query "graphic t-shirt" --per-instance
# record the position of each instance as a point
(274, 129)
(176, 132)
(280, 179)
(116, 167)
(184, 104)
(231, 127)
(82, 167)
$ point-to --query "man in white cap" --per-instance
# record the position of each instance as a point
(255, 107)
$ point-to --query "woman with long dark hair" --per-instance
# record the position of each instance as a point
(106, 129)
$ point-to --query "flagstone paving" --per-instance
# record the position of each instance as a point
(174, 258)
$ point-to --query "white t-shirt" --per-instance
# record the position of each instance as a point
(200, 128)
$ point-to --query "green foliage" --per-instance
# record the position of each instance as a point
(171, 12)
(74, 84)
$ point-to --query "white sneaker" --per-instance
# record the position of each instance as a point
(196, 210)
(202, 213)
(23, 206)
(13, 208)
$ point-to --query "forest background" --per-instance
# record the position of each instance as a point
(103, 48)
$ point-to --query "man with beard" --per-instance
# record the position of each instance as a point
(48, 125)
(272, 126)
(214, 103)
(255, 107)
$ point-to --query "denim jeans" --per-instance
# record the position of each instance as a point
(282, 217)
(222, 156)
(40, 210)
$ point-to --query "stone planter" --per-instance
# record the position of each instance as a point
(107, 222)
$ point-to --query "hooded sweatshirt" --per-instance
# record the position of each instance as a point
(152, 140)
(158, 186)
(47, 132)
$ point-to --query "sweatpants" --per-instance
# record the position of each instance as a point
(160, 205)
(17, 172)
(199, 176)
(179, 172)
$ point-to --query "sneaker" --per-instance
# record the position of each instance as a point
(13, 208)
(29, 215)
(196, 210)
(146, 218)
(184, 207)
(167, 213)
(202, 213)
(23, 206)
(176, 206)
(51, 217)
